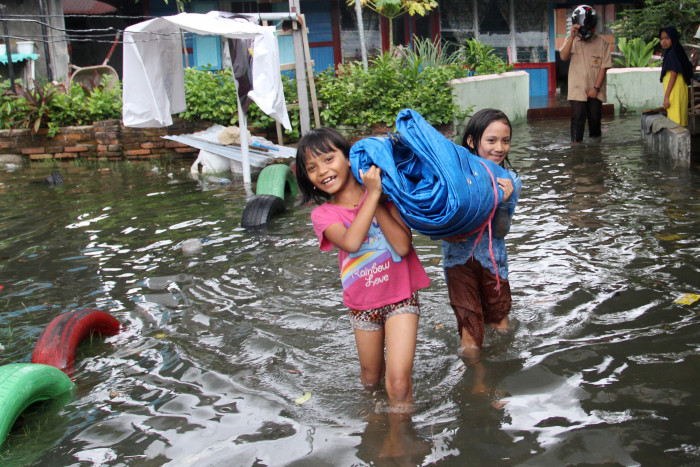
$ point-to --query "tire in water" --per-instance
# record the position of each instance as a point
(58, 342)
(23, 384)
(278, 180)
(260, 209)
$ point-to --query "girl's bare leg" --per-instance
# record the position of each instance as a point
(501, 326)
(401, 440)
(471, 354)
(370, 349)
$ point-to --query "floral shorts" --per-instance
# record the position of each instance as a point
(374, 319)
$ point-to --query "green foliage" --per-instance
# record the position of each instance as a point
(644, 23)
(364, 98)
(430, 53)
(28, 108)
(636, 52)
(211, 95)
(482, 58)
(52, 106)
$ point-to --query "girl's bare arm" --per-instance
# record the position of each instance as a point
(351, 238)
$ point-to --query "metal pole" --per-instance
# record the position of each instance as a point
(8, 48)
(49, 69)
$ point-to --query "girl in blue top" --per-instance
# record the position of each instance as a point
(480, 294)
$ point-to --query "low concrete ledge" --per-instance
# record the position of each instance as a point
(632, 90)
(667, 138)
(509, 92)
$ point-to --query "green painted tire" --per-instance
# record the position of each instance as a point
(277, 180)
(22, 384)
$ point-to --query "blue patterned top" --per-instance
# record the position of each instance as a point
(454, 254)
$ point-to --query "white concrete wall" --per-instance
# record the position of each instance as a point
(634, 89)
(509, 92)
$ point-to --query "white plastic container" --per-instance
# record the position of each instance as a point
(25, 47)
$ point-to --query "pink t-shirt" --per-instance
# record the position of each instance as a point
(375, 275)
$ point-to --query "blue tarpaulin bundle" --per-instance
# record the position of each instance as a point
(440, 188)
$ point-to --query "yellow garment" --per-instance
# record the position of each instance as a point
(678, 99)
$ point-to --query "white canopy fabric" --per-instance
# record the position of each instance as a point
(153, 78)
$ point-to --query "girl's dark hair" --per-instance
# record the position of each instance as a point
(318, 141)
(477, 126)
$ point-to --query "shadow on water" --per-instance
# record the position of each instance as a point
(600, 367)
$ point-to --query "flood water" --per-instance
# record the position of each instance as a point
(601, 368)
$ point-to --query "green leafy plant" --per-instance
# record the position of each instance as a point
(211, 95)
(430, 53)
(636, 52)
(360, 98)
(482, 58)
(31, 107)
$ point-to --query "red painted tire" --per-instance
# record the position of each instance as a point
(56, 346)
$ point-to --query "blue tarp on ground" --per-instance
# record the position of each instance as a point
(440, 188)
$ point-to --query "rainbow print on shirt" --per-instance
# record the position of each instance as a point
(370, 263)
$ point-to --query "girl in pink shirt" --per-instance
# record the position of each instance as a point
(380, 271)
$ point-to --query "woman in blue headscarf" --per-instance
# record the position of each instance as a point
(676, 74)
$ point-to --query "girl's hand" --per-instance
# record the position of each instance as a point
(667, 102)
(505, 184)
(372, 179)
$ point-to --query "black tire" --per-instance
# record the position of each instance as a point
(260, 209)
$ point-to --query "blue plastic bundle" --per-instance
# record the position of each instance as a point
(440, 188)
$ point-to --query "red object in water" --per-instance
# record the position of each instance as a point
(57, 344)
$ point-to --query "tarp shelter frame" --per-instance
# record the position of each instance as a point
(154, 78)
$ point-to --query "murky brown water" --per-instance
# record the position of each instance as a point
(602, 366)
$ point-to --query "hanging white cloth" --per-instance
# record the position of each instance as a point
(153, 77)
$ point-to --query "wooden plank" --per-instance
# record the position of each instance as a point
(310, 73)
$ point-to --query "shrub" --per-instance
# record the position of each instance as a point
(482, 58)
(357, 97)
(636, 53)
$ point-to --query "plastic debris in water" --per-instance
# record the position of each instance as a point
(687, 299)
(303, 398)
(192, 246)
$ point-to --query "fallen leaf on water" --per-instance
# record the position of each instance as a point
(499, 404)
(687, 299)
(439, 326)
(303, 398)
(160, 335)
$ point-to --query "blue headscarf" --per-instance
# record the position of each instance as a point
(675, 58)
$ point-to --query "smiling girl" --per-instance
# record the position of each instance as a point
(380, 271)
(479, 293)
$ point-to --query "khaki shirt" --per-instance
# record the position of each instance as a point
(587, 58)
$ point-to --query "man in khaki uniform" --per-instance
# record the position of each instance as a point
(590, 60)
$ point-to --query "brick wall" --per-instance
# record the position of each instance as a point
(106, 140)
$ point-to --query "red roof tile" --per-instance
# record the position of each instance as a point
(86, 7)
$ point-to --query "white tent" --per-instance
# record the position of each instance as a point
(153, 78)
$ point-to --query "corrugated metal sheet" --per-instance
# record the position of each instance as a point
(86, 7)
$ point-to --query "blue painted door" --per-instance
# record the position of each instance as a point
(539, 81)
(319, 22)
(206, 50)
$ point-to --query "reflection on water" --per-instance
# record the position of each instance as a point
(601, 366)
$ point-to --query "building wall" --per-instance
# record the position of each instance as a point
(24, 24)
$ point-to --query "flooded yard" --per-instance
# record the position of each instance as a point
(601, 366)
